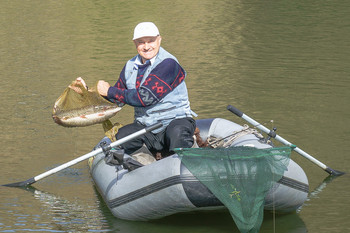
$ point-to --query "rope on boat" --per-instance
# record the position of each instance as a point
(227, 141)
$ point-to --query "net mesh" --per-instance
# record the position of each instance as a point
(239, 177)
(78, 106)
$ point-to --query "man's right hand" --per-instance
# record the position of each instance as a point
(74, 86)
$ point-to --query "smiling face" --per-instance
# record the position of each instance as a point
(148, 47)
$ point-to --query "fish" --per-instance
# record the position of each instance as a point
(79, 106)
(84, 116)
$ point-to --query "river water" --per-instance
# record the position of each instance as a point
(284, 63)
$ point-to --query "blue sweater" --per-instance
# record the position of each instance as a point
(166, 76)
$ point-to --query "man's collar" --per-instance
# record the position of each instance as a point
(138, 60)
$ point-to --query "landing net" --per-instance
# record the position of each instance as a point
(78, 106)
(239, 177)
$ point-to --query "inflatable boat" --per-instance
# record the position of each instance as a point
(167, 187)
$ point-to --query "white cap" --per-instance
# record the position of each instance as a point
(145, 29)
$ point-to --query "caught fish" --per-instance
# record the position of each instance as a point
(79, 107)
(85, 116)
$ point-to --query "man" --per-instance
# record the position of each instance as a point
(153, 83)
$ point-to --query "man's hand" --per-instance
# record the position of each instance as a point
(76, 85)
(102, 87)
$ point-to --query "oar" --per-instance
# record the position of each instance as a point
(84, 157)
(285, 142)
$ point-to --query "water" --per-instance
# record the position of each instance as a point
(284, 63)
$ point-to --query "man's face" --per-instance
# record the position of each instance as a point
(148, 47)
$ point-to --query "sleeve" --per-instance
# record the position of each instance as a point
(115, 93)
(163, 79)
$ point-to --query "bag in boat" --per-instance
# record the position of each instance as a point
(239, 177)
(78, 107)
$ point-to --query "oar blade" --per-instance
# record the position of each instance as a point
(333, 172)
(22, 183)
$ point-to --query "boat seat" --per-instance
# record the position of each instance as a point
(143, 156)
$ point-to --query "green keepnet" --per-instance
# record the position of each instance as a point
(239, 177)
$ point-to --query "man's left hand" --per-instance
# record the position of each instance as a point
(102, 87)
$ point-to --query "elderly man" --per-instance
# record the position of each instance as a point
(153, 83)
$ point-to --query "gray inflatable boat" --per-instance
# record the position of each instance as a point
(166, 187)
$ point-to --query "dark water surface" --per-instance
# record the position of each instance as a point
(284, 63)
